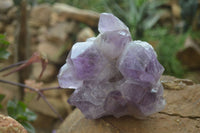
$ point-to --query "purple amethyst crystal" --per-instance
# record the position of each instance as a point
(112, 74)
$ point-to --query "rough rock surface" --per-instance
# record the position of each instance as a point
(190, 54)
(50, 50)
(88, 17)
(63, 29)
(9, 125)
(57, 98)
(181, 114)
(48, 75)
(51, 26)
(46, 119)
(5, 5)
(84, 34)
(40, 15)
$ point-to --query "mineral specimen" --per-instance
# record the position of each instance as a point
(113, 75)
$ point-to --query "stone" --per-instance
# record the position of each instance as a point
(186, 104)
(41, 34)
(10, 30)
(5, 5)
(34, 39)
(176, 10)
(63, 28)
(48, 75)
(46, 118)
(3, 18)
(63, 95)
(173, 83)
(68, 12)
(51, 51)
(84, 34)
(44, 123)
(12, 13)
(165, 18)
(56, 97)
(10, 125)
(193, 75)
(39, 106)
(189, 56)
(180, 115)
(9, 91)
(54, 19)
(42, 30)
(40, 15)
(113, 75)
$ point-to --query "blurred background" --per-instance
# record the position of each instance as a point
(51, 27)
(170, 26)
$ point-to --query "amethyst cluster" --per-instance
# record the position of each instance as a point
(113, 75)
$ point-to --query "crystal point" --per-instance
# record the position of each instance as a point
(108, 22)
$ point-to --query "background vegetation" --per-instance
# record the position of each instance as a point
(142, 17)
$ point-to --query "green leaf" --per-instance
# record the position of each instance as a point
(17, 2)
(4, 54)
(150, 22)
(21, 118)
(31, 116)
(132, 8)
(2, 96)
(155, 4)
(11, 109)
(143, 10)
(3, 40)
(1, 36)
(21, 108)
(19, 111)
(28, 127)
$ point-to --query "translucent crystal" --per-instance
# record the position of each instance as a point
(113, 75)
(108, 22)
(139, 63)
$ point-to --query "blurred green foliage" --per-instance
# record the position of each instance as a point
(141, 16)
(138, 15)
(30, 2)
(167, 50)
(4, 54)
(195, 36)
(188, 12)
(1, 99)
(48, 1)
(17, 2)
(167, 46)
(19, 111)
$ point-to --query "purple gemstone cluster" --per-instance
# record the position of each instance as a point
(113, 75)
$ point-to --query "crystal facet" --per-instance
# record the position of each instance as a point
(113, 75)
